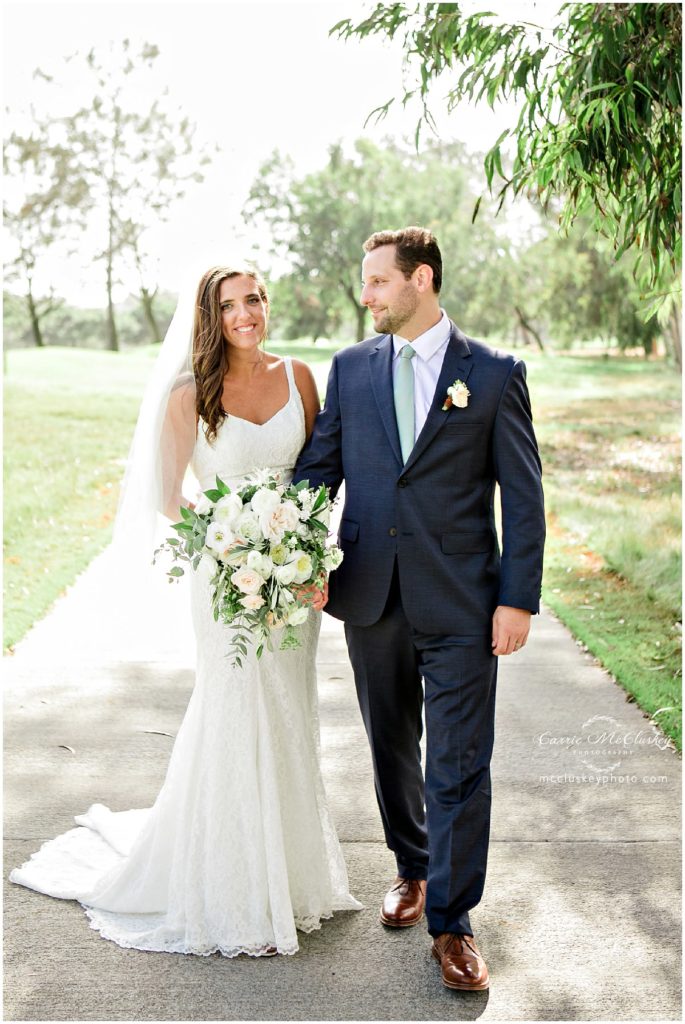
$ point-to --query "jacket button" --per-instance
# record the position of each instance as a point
(403, 482)
(393, 531)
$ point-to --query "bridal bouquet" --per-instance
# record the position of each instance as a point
(265, 547)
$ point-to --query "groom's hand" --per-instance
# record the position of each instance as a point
(313, 596)
(510, 628)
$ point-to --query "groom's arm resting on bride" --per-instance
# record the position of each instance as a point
(306, 385)
(323, 464)
(177, 441)
(518, 472)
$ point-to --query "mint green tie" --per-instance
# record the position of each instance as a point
(404, 400)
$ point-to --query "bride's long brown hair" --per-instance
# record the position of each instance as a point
(210, 354)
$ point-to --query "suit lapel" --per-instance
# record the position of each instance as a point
(457, 365)
(380, 366)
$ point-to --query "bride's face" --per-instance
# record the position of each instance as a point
(243, 312)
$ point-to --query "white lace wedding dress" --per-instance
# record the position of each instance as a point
(239, 850)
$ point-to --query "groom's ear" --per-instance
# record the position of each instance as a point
(423, 277)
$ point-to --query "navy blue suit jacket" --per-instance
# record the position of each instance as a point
(435, 514)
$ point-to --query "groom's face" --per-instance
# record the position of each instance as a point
(392, 298)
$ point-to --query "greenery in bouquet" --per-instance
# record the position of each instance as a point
(264, 545)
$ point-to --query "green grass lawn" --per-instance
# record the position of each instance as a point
(610, 444)
(609, 435)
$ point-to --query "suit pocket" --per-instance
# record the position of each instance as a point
(467, 543)
(453, 426)
(349, 530)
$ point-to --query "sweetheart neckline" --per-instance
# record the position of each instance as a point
(232, 415)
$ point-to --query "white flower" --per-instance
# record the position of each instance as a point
(260, 563)
(458, 394)
(247, 580)
(208, 564)
(297, 615)
(252, 602)
(203, 504)
(290, 514)
(218, 537)
(306, 499)
(247, 526)
(277, 522)
(303, 565)
(332, 558)
(228, 509)
(265, 501)
(279, 553)
(285, 574)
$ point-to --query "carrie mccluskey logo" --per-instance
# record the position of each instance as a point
(602, 743)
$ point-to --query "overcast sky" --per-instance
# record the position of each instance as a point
(252, 76)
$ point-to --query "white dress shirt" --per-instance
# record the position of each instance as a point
(430, 348)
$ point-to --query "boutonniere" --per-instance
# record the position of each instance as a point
(457, 395)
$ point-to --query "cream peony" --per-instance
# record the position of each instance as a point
(279, 521)
(252, 602)
(247, 580)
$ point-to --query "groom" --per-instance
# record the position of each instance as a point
(421, 422)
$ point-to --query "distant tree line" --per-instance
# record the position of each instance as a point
(109, 168)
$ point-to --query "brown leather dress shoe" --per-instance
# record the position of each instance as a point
(403, 904)
(461, 963)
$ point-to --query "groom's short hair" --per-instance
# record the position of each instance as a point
(413, 246)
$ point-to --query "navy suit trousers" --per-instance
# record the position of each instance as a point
(438, 828)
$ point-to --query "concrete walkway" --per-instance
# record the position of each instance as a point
(580, 919)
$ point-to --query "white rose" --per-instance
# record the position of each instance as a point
(285, 574)
(324, 515)
(265, 501)
(247, 526)
(303, 566)
(260, 563)
(208, 564)
(297, 615)
(247, 580)
(218, 537)
(252, 602)
(203, 504)
(228, 509)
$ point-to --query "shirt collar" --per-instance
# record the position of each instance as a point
(428, 343)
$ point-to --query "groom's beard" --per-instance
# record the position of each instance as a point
(392, 319)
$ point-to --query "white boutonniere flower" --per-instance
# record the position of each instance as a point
(458, 394)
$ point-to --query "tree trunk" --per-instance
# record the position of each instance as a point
(35, 320)
(359, 311)
(528, 330)
(148, 309)
(673, 331)
(112, 336)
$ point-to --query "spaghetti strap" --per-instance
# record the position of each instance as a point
(288, 360)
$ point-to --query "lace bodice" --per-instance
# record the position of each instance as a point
(241, 447)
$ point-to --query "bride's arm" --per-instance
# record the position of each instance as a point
(178, 440)
(306, 385)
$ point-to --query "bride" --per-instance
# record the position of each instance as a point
(239, 850)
